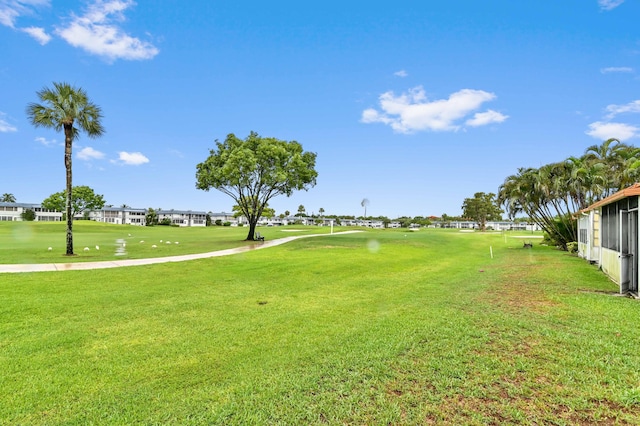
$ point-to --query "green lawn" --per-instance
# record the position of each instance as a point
(29, 242)
(379, 327)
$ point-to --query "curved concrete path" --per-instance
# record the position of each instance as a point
(47, 267)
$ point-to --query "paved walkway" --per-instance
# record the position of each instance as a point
(47, 267)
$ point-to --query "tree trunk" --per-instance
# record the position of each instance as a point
(252, 230)
(68, 143)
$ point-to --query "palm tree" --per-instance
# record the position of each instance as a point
(69, 109)
(7, 198)
(589, 179)
(364, 203)
(629, 173)
(612, 154)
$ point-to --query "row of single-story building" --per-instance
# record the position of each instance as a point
(138, 217)
(491, 225)
(116, 215)
(608, 237)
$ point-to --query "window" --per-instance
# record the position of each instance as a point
(611, 226)
(582, 237)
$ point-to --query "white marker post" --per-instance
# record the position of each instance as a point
(491, 251)
(331, 226)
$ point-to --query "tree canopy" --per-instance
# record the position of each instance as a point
(482, 208)
(7, 198)
(151, 218)
(69, 109)
(83, 199)
(267, 211)
(254, 170)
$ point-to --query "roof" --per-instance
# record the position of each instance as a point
(121, 209)
(23, 205)
(624, 193)
(183, 212)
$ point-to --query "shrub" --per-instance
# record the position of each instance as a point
(28, 215)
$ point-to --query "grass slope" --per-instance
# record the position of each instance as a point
(371, 328)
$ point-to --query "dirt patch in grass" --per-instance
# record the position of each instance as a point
(500, 406)
(517, 398)
(518, 288)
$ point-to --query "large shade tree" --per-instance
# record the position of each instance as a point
(83, 199)
(67, 108)
(482, 208)
(254, 170)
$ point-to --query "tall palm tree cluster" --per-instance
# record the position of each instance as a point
(552, 194)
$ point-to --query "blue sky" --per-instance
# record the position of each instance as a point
(414, 105)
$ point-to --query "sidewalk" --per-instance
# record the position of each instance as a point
(80, 266)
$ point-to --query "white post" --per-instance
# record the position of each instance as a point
(491, 251)
(331, 226)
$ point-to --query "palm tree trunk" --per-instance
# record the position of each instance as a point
(68, 143)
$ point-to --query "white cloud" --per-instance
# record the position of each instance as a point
(132, 158)
(176, 153)
(38, 33)
(484, 118)
(370, 115)
(621, 131)
(97, 33)
(46, 142)
(89, 153)
(606, 129)
(614, 110)
(401, 73)
(10, 10)
(412, 111)
(609, 4)
(616, 69)
(5, 127)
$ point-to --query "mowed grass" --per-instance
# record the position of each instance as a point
(379, 327)
(29, 242)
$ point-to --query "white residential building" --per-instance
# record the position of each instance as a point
(13, 212)
(609, 235)
(226, 217)
(183, 217)
(120, 216)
